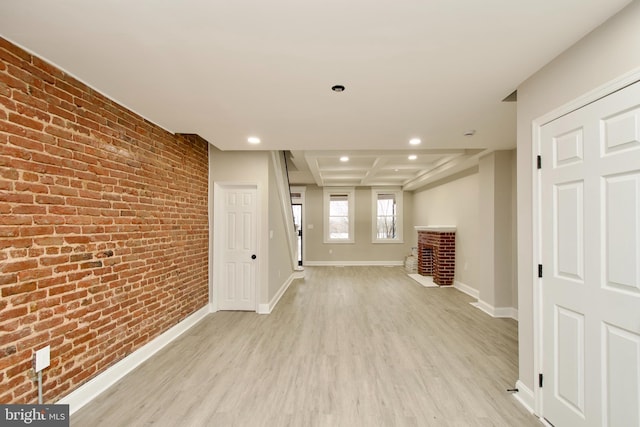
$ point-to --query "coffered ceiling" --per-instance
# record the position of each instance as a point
(400, 168)
(230, 70)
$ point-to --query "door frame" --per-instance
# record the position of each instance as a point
(536, 193)
(216, 241)
(300, 201)
(300, 235)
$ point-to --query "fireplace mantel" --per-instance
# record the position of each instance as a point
(436, 228)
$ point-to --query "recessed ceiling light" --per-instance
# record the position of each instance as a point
(337, 88)
(415, 141)
(253, 140)
(396, 170)
(412, 157)
(344, 159)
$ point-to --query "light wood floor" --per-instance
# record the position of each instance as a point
(352, 346)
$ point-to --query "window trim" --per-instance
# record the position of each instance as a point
(350, 192)
(398, 193)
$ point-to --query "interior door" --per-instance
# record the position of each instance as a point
(237, 287)
(590, 244)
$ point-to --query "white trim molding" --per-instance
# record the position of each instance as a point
(398, 215)
(472, 292)
(498, 312)
(525, 396)
(350, 194)
(92, 388)
(268, 308)
(352, 263)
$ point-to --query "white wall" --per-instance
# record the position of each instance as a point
(514, 230)
(454, 201)
(256, 167)
(249, 167)
(280, 262)
(496, 239)
(610, 51)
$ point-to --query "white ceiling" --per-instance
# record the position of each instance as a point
(432, 69)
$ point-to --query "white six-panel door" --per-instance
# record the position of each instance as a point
(237, 230)
(590, 245)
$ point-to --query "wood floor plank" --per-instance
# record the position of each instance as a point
(345, 346)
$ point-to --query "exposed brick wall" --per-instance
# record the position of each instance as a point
(437, 256)
(103, 228)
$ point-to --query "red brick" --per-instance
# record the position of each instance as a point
(29, 111)
(60, 175)
(13, 82)
(25, 121)
(34, 341)
(14, 336)
(54, 260)
(48, 220)
(31, 187)
(36, 231)
(47, 68)
(12, 314)
(18, 289)
(34, 274)
(50, 200)
(73, 296)
(18, 266)
(48, 241)
(16, 220)
(436, 256)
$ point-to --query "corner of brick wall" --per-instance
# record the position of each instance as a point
(103, 228)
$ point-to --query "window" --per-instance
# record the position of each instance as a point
(387, 215)
(338, 215)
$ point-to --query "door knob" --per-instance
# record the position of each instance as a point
(253, 256)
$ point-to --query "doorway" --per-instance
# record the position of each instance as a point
(590, 263)
(297, 206)
(297, 222)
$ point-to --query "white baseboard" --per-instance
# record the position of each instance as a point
(268, 308)
(525, 396)
(508, 312)
(466, 289)
(92, 388)
(351, 263)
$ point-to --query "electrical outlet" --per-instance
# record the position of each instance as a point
(42, 358)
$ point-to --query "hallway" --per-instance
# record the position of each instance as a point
(347, 346)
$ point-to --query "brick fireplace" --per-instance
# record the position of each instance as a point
(437, 253)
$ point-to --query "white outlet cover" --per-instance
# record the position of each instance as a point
(43, 358)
